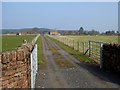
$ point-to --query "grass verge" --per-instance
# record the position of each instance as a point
(41, 58)
(54, 50)
(72, 52)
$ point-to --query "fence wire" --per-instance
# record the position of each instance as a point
(93, 49)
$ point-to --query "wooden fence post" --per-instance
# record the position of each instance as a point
(78, 45)
(83, 46)
(89, 46)
(70, 43)
(73, 44)
(67, 41)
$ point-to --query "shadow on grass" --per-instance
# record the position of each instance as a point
(101, 73)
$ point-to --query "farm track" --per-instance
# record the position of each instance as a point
(79, 76)
(49, 76)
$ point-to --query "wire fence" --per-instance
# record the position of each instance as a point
(93, 49)
(35, 39)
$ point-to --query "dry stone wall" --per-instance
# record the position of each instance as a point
(111, 57)
(15, 68)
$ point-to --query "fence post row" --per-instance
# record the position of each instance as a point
(92, 47)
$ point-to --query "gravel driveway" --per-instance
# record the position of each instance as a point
(80, 76)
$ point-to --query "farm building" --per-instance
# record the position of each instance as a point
(26, 33)
(19, 34)
(54, 33)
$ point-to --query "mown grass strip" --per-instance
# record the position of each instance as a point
(41, 58)
(58, 58)
(54, 50)
(72, 52)
(63, 63)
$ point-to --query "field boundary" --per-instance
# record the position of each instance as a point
(16, 66)
(111, 57)
(85, 48)
(102, 53)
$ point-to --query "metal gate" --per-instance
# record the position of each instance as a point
(95, 51)
(34, 66)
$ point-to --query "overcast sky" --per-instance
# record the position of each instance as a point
(100, 16)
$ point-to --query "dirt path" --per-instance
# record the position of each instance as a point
(52, 76)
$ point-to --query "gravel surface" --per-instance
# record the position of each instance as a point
(80, 76)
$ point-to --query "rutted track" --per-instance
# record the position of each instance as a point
(78, 77)
(50, 76)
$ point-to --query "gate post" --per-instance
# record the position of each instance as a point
(89, 46)
(34, 66)
(101, 48)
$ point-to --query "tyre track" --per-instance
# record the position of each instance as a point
(54, 78)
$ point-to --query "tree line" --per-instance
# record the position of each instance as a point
(81, 31)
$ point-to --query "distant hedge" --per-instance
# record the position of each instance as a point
(111, 57)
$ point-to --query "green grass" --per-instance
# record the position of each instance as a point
(54, 50)
(12, 42)
(41, 59)
(72, 52)
(63, 63)
(99, 38)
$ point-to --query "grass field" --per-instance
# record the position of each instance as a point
(86, 38)
(12, 42)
